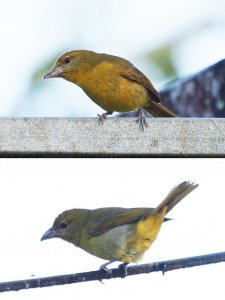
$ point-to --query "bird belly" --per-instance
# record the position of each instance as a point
(126, 243)
(120, 95)
(111, 244)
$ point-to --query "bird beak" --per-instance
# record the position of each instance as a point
(53, 72)
(49, 234)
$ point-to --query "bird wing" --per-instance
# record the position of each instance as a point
(113, 217)
(132, 73)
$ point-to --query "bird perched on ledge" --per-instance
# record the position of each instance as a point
(111, 82)
(115, 233)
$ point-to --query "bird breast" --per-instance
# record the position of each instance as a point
(111, 91)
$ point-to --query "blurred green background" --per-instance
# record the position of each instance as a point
(165, 39)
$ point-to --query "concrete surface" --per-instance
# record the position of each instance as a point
(117, 137)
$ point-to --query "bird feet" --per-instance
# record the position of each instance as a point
(107, 270)
(141, 119)
(123, 268)
(103, 116)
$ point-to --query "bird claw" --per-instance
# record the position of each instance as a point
(103, 117)
(123, 268)
(141, 119)
(107, 270)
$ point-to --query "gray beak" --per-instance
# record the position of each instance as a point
(49, 234)
(53, 72)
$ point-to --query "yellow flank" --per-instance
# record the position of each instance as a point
(148, 228)
(146, 233)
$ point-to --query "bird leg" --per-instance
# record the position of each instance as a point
(104, 266)
(103, 116)
(141, 119)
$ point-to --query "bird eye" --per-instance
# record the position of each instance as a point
(67, 60)
(63, 225)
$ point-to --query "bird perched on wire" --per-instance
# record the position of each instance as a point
(111, 82)
(115, 233)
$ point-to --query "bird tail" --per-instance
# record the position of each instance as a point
(156, 109)
(149, 227)
(175, 196)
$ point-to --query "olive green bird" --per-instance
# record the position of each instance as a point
(115, 233)
(112, 82)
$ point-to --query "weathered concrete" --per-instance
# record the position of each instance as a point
(58, 137)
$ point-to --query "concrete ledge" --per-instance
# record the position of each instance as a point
(117, 137)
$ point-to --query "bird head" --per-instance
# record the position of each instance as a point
(69, 63)
(67, 226)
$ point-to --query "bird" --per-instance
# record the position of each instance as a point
(116, 233)
(112, 82)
